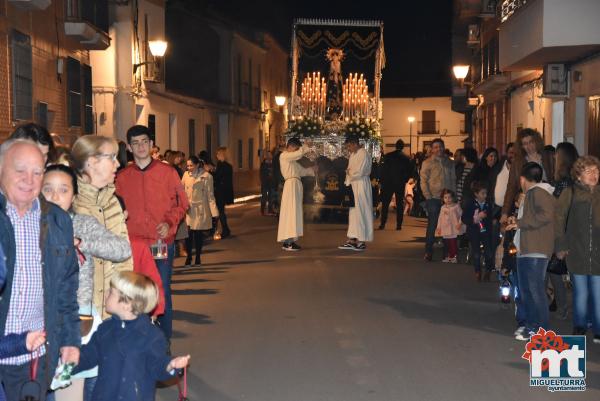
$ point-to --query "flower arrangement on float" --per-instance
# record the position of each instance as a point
(363, 128)
(305, 128)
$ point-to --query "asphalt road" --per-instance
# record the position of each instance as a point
(331, 325)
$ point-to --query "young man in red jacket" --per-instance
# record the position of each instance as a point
(156, 203)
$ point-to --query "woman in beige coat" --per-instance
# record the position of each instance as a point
(199, 188)
(95, 162)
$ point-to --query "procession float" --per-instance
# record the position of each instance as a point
(336, 78)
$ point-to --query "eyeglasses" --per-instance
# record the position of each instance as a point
(142, 142)
(111, 156)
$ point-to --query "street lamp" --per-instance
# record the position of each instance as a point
(280, 100)
(460, 72)
(411, 120)
(158, 48)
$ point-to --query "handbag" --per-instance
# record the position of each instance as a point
(556, 265)
(348, 196)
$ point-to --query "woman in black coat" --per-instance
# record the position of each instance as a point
(223, 177)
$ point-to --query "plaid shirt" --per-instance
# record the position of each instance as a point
(26, 309)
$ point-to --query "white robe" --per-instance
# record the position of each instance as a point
(360, 217)
(290, 214)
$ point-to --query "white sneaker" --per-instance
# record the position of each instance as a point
(446, 260)
(452, 260)
(524, 335)
(521, 329)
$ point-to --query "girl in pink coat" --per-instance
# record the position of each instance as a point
(449, 225)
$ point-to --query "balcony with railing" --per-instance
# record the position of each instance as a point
(428, 127)
(87, 22)
(31, 4)
(538, 32)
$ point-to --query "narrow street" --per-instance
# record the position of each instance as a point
(326, 324)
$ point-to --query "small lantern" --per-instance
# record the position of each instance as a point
(505, 291)
(512, 249)
(159, 250)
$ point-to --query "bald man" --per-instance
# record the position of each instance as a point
(41, 268)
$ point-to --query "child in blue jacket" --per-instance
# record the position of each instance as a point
(477, 216)
(130, 352)
(16, 344)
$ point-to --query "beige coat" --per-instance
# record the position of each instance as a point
(105, 207)
(199, 189)
(437, 174)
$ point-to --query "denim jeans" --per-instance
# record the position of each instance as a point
(531, 275)
(519, 307)
(165, 268)
(433, 207)
(586, 301)
(88, 388)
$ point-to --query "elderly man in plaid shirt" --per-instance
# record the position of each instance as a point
(42, 271)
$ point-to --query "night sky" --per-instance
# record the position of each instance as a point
(416, 35)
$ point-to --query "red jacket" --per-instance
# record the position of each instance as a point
(152, 196)
(143, 263)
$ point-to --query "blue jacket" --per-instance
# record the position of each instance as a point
(60, 278)
(131, 357)
(474, 229)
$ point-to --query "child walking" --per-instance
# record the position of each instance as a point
(130, 352)
(409, 195)
(449, 225)
(477, 216)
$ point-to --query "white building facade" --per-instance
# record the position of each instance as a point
(202, 95)
(433, 118)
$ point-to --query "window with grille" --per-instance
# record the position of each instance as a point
(88, 109)
(250, 153)
(74, 92)
(22, 76)
(152, 127)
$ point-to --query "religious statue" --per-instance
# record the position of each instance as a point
(334, 84)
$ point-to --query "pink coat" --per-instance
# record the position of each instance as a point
(449, 221)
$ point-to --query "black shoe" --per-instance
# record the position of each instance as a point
(225, 234)
(197, 262)
(188, 261)
(579, 331)
(381, 227)
(553, 307)
(291, 247)
(398, 228)
(427, 257)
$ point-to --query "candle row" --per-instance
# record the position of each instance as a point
(355, 96)
(314, 95)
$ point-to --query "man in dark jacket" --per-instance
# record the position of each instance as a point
(42, 270)
(223, 176)
(395, 172)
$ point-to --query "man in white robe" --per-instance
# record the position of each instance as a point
(360, 217)
(290, 215)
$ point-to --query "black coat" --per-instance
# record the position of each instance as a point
(223, 177)
(395, 171)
